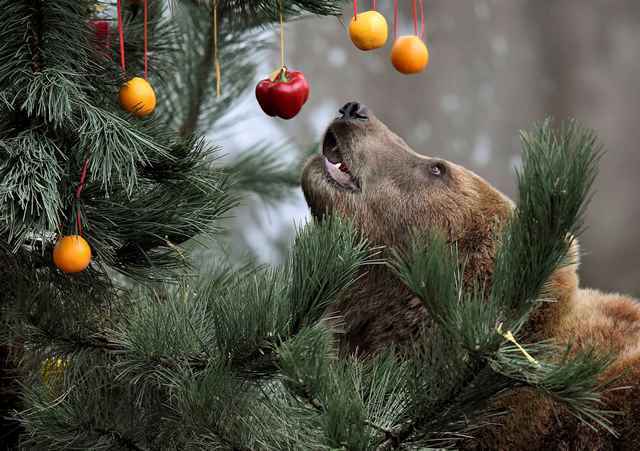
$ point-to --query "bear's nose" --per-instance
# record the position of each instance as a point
(354, 110)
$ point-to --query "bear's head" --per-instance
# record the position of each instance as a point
(368, 174)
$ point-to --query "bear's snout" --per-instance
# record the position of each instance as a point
(354, 111)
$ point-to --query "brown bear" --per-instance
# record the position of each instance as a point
(371, 176)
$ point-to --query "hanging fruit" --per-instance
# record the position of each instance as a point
(409, 54)
(72, 254)
(284, 92)
(283, 95)
(137, 96)
(368, 30)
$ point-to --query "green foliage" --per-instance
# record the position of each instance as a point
(151, 185)
(181, 354)
(261, 172)
(245, 358)
(251, 12)
(558, 170)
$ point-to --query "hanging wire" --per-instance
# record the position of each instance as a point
(216, 60)
(281, 13)
(415, 17)
(121, 34)
(83, 178)
(146, 18)
(422, 21)
(395, 19)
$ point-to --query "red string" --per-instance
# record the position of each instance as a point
(373, 4)
(108, 43)
(83, 178)
(415, 18)
(78, 222)
(395, 19)
(422, 19)
(121, 33)
(145, 39)
(355, 9)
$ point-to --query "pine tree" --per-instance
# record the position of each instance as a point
(237, 357)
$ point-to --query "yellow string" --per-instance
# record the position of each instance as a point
(509, 337)
(216, 62)
(281, 34)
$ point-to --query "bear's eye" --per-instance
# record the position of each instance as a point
(437, 169)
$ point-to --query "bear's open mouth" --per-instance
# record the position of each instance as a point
(335, 167)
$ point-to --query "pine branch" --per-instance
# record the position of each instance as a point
(248, 12)
(195, 99)
(558, 171)
(559, 167)
(262, 172)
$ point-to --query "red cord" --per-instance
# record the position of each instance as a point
(422, 19)
(415, 18)
(83, 179)
(395, 19)
(373, 4)
(355, 9)
(78, 222)
(121, 33)
(145, 39)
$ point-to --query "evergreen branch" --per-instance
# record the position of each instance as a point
(557, 173)
(572, 380)
(31, 176)
(194, 104)
(249, 12)
(197, 96)
(15, 51)
(333, 244)
(559, 167)
(120, 439)
(261, 172)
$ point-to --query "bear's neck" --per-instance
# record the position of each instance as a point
(376, 312)
(379, 311)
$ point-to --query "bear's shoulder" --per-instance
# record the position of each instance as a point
(609, 322)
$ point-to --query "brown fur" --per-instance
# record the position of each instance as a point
(398, 194)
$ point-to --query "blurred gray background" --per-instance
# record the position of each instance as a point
(497, 66)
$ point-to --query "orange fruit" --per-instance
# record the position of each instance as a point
(72, 254)
(409, 55)
(137, 97)
(368, 30)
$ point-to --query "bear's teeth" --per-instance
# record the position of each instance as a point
(343, 167)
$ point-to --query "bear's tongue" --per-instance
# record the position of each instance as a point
(342, 166)
(339, 173)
